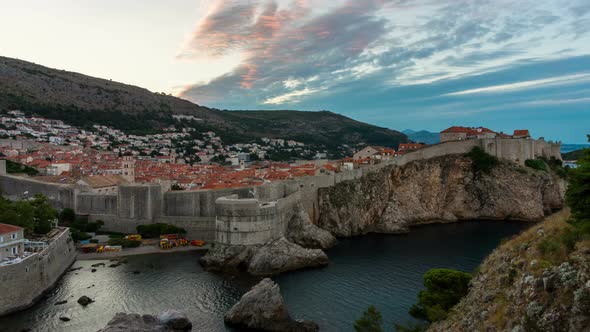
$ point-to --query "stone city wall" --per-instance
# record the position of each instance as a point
(137, 204)
(25, 282)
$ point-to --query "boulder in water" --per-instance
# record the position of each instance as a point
(168, 321)
(262, 308)
(85, 300)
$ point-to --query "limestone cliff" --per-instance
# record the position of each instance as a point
(442, 189)
(519, 288)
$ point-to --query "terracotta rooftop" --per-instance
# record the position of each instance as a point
(6, 228)
(101, 181)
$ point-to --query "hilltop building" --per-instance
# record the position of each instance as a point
(457, 133)
(374, 152)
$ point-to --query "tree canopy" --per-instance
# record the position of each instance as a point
(578, 191)
(370, 321)
(444, 289)
(35, 216)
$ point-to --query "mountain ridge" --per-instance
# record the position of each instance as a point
(83, 100)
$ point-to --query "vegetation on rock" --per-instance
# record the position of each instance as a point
(444, 289)
(536, 164)
(482, 161)
(370, 321)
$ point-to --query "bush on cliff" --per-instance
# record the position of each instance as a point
(556, 247)
(155, 230)
(370, 321)
(482, 161)
(444, 289)
(536, 164)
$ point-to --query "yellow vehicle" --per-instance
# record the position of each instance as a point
(100, 249)
(165, 244)
(136, 237)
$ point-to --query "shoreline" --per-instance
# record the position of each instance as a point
(142, 250)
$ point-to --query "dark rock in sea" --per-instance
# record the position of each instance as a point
(64, 319)
(93, 270)
(98, 264)
(168, 321)
(115, 264)
(175, 320)
(262, 308)
(85, 300)
(61, 302)
(136, 272)
(74, 269)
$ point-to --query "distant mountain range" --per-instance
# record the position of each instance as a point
(84, 100)
(422, 136)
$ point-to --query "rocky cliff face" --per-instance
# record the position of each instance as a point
(442, 189)
(520, 289)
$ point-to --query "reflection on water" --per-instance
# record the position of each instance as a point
(384, 270)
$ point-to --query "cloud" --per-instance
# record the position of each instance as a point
(381, 44)
(561, 80)
(289, 97)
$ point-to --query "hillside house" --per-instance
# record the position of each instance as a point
(11, 242)
(406, 147)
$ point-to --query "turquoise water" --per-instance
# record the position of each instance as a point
(384, 270)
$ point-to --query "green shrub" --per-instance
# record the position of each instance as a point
(370, 321)
(549, 246)
(482, 161)
(155, 230)
(93, 241)
(67, 216)
(536, 164)
(125, 243)
(79, 236)
(444, 289)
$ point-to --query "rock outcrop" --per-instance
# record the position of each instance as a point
(303, 232)
(271, 258)
(442, 189)
(168, 321)
(520, 289)
(262, 308)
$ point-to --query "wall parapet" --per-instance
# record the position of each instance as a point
(24, 283)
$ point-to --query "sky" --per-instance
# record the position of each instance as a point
(422, 64)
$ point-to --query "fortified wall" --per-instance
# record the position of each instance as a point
(25, 282)
(247, 215)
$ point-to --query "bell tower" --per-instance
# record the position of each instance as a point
(128, 168)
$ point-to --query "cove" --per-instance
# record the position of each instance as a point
(378, 269)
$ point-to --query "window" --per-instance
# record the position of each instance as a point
(1, 239)
(14, 250)
(13, 236)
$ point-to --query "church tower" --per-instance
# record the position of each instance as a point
(128, 170)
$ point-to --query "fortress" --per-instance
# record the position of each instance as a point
(244, 216)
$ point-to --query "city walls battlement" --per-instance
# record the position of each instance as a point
(25, 282)
(244, 215)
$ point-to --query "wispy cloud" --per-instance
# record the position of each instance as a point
(553, 81)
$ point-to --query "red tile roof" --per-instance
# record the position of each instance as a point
(6, 228)
(521, 132)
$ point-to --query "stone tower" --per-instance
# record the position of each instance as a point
(128, 168)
